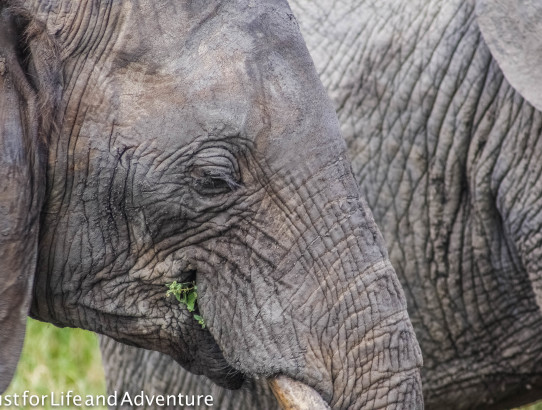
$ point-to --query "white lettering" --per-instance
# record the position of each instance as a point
(73, 400)
(89, 402)
(126, 399)
(149, 401)
(170, 396)
(102, 398)
(68, 397)
(112, 399)
(53, 403)
(138, 399)
(34, 400)
(25, 397)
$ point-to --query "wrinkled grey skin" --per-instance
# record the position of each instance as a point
(439, 102)
(193, 140)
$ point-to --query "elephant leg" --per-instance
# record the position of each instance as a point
(132, 370)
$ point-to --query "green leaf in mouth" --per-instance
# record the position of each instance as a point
(200, 320)
(186, 294)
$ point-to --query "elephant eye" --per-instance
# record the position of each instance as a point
(214, 181)
(215, 172)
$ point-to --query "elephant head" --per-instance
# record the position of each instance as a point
(157, 141)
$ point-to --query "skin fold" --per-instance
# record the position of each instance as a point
(193, 141)
(439, 105)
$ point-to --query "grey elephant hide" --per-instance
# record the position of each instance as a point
(146, 142)
(439, 104)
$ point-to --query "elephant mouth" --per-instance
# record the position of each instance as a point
(294, 395)
(290, 394)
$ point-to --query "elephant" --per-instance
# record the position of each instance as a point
(440, 105)
(146, 143)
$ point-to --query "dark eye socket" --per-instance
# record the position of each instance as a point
(215, 171)
(213, 181)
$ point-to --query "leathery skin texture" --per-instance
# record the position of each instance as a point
(194, 141)
(447, 154)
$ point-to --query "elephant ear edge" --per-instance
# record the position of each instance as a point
(513, 33)
(22, 186)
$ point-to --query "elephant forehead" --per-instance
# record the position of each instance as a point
(170, 42)
(169, 106)
(154, 33)
(163, 69)
(202, 72)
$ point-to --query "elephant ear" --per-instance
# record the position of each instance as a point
(513, 33)
(21, 186)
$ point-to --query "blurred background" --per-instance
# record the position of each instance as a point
(58, 360)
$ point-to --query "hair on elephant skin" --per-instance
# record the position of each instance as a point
(440, 105)
(146, 142)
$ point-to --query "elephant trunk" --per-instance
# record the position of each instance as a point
(361, 339)
(318, 301)
(364, 341)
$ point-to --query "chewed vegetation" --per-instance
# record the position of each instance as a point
(186, 294)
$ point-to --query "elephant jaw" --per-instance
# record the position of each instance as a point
(294, 395)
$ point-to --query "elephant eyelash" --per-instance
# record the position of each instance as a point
(232, 184)
(216, 182)
(215, 171)
(224, 179)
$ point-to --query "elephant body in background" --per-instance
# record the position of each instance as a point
(439, 102)
(149, 142)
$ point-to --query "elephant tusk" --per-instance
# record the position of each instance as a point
(294, 395)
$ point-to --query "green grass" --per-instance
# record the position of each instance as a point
(58, 360)
(536, 406)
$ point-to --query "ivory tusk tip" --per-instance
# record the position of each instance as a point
(294, 395)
